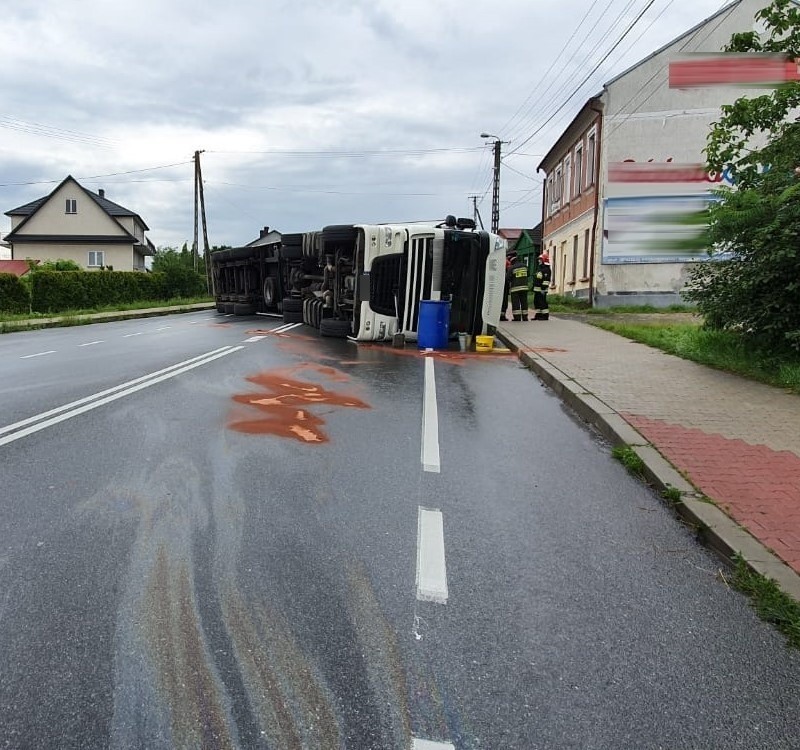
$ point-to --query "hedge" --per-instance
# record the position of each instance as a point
(56, 291)
(14, 295)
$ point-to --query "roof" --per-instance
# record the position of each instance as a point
(112, 209)
(15, 267)
(586, 108)
(510, 234)
(536, 233)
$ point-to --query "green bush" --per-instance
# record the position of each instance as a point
(14, 296)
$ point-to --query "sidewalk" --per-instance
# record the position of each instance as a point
(737, 442)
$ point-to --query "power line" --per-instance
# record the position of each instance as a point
(49, 131)
(355, 154)
(591, 73)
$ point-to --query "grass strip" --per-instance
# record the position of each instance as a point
(724, 350)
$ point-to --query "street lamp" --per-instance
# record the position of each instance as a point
(496, 189)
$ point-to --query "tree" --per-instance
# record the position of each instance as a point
(180, 278)
(756, 224)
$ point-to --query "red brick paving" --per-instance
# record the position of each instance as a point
(757, 486)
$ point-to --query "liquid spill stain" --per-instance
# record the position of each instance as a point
(284, 402)
(451, 357)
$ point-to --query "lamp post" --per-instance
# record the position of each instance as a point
(496, 187)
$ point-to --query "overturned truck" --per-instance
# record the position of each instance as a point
(366, 282)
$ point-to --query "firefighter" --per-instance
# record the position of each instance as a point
(517, 277)
(541, 285)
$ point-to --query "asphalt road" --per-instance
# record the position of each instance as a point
(214, 534)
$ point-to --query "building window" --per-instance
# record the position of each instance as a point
(578, 170)
(558, 189)
(96, 259)
(567, 178)
(574, 258)
(586, 254)
(72, 206)
(591, 157)
(548, 195)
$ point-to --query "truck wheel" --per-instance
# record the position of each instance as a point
(307, 311)
(292, 304)
(337, 329)
(243, 308)
(228, 308)
(220, 307)
(340, 233)
(290, 316)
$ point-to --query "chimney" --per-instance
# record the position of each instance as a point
(101, 193)
(263, 233)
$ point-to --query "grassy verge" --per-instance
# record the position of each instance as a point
(771, 604)
(725, 350)
(629, 459)
(567, 304)
(19, 322)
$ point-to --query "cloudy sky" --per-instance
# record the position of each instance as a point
(309, 112)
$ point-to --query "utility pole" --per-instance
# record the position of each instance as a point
(206, 249)
(196, 196)
(496, 181)
(476, 216)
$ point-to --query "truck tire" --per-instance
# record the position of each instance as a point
(292, 316)
(333, 328)
(220, 307)
(292, 304)
(339, 233)
(228, 308)
(243, 308)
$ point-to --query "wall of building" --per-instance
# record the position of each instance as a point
(120, 257)
(646, 121)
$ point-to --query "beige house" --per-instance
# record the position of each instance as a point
(73, 223)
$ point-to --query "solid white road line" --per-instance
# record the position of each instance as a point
(430, 422)
(122, 386)
(91, 343)
(419, 744)
(252, 339)
(40, 354)
(128, 335)
(431, 569)
(270, 315)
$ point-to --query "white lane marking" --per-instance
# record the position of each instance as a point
(73, 404)
(419, 744)
(431, 568)
(252, 339)
(40, 354)
(430, 422)
(91, 343)
(128, 335)
(270, 315)
(113, 397)
(286, 327)
(163, 328)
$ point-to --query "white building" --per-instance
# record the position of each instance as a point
(622, 242)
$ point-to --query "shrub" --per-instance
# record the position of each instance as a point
(14, 296)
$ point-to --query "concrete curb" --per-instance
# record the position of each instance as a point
(16, 326)
(714, 528)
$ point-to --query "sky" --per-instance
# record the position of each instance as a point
(308, 112)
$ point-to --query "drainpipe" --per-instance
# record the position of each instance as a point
(596, 201)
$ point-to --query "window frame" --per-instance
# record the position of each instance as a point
(578, 161)
(71, 203)
(567, 179)
(97, 253)
(591, 164)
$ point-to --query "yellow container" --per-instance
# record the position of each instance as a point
(484, 343)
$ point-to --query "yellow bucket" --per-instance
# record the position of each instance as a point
(484, 343)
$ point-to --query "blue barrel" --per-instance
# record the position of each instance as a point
(434, 324)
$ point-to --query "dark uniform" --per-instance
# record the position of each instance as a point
(541, 285)
(517, 277)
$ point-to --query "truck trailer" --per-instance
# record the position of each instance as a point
(366, 281)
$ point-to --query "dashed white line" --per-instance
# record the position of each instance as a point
(419, 744)
(286, 327)
(252, 339)
(128, 335)
(430, 422)
(163, 328)
(38, 354)
(91, 343)
(431, 568)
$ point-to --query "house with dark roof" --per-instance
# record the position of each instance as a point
(74, 223)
